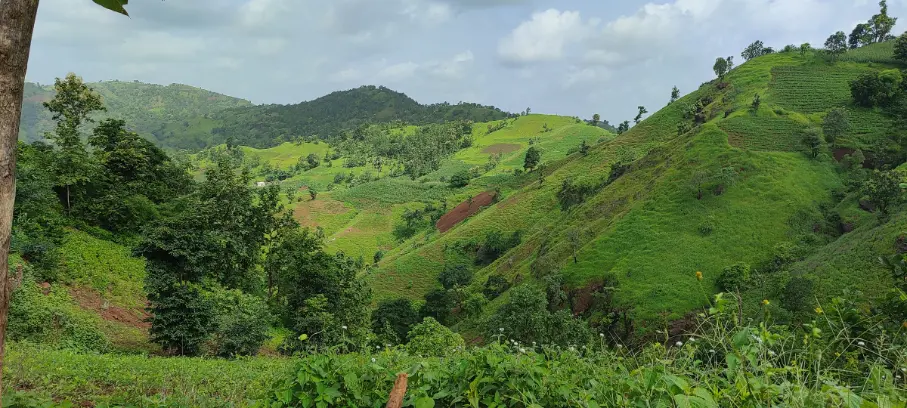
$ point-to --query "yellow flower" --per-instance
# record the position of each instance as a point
(819, 310)
(698, 275)
(765, 302)
(905, 324)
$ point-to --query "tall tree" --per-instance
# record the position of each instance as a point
(595, 119)
(533, 156)
(720, 67)
(71, 107)
(623, 127)
(675, 95)
(753, 50)
(17, 23)
(642, 111)
(859, 36)
(835, 124)
(836, 44)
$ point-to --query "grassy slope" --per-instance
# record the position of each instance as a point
(644, 228)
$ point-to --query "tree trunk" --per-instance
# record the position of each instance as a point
(395, 400)
(17, 21)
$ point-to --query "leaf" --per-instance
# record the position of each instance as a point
(425, 402)
(114, 5)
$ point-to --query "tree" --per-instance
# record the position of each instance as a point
(882, 24)
(584, 148)
(596, 118)
(17, 23)
(900, 48)
(876, 88)
(859, 36)
(675, 95)
(455, 275)
(71, 107)
(459, 179)
(836, 45)
(533, 156)
(623, 127)
(313, 161)
(398, 315)
(757, 101)
(432, 339)
(720, 67)
(753, 50)
(730, 63)
(812, 139)
(313, 193)
(642, 111)
(805, 48)
(835, 124)
(734, 277)
(883, 188)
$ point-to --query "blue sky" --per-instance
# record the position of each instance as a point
(571, 57)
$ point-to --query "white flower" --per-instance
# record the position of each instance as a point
(620, 346)
(861, 344)
(373, 359)
(601, 335)
(533, 344)
(343, 327)
(572, 348)
(679, 344)
(904, 370)
(771, 353)
(387, 346)
(522, 350)
(712, 351)
(377, 347)
(501, 329)
(584, 347)
(692, 340)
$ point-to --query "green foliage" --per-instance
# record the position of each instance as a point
(876, 88)
(397, 315)
(734, 278)
(432, 339)
(835, 124)
(797, 294)
(532, 159)
(495, 245)
(494, 286)
(641, 111)
(526, 318)
(812, 139)
(37, 223)
(460, 179)
(455, 275)
(883, 188)
(756, 49)
(438, 304)
(720, 68)
(836, 44)
(240, 322)
(52, 318)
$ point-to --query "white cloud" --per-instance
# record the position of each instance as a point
(544, 37)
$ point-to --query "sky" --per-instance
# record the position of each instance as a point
(567, 57)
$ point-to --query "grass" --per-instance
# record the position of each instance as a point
(141, 380)
(104, 266)
(764, 133)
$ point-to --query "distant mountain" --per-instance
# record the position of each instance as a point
(269, 125)
(144, 107)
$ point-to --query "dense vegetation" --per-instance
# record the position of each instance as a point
(746, 245)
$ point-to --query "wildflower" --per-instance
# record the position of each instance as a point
(343, 327)
(712, 351)
(819, 310)
(572, 348)
(501, 329)
(601, 335)
(698, 275)
(679, 344)
(771, 353)
(620, 346)
(904, 370)
(692, 340)
(861, 344)
(905, 324)
(765, 302)
(378, 347)
(522, 350)
(373, 360)
(387, 346)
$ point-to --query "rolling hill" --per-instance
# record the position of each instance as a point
(145, 107)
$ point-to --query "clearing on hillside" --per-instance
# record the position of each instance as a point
(464, 210)
(502, 148)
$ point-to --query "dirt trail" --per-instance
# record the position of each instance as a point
(464, 210)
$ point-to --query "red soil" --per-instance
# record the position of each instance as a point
(464, 210)
(91, 300)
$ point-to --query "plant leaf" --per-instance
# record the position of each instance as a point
(118, 6)
(425, 402)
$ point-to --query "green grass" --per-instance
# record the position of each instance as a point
(140, 380)
(874, 53)
(104, 266)
(287, 154)
(814, 87)
(764, 132)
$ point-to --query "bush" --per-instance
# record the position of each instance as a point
(474, 304)
(876, 88)
(494, 286)
(432, 339)
(438, 304)
(241, 323)
(797, 294)
(735, 277)
(495, 245)
(460, 179)
(393, 319)
(455, 275)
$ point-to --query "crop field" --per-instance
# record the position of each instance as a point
(814, 87)
(866, 127)
(764, 133)
(874, 53)
(287, 154)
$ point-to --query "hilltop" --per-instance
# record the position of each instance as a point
(146, 107)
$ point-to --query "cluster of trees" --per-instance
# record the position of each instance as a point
(329, 116)
(876, 29)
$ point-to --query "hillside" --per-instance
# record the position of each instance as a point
(146, 107)
(269, 125)
(738, 187)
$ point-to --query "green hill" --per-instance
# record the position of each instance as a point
(737, 187)
(145, 107)
(269, 125)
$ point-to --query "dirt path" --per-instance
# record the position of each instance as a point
(464, 210)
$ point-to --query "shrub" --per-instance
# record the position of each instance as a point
(782, 255)
(876, 88)
(474, 304)
(495, 245)
(398, 315)
(735, 277)
(797, 294)
(494, 286)
(455, 275)
(432, 339)
(241, 323)
(379, 255)
(460, 179)
(438, 304)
